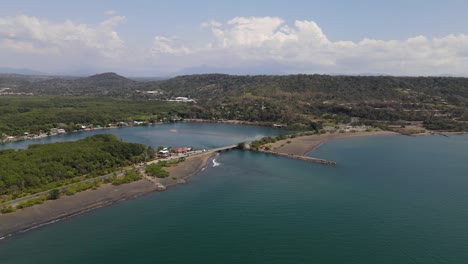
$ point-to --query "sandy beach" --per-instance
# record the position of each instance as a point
(68, 206)
(304, 144)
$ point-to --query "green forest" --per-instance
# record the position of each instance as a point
(440, 103)
(32, 114)
(47, 166)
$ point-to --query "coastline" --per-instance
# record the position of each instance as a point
(302, 145)
(52, 211)
(232, 122)
(65, 207)
(23, 138)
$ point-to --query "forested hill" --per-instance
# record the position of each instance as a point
(354, 88)
(105, 84)
(440, 102)
(211, 86)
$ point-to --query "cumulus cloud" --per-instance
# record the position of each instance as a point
(304, 45)
(29, 34)
(252, 43)
(168, 45)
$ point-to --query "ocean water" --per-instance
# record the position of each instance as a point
(390, 199)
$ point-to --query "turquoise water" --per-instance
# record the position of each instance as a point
(390, 199)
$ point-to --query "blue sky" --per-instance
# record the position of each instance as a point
(143, 38)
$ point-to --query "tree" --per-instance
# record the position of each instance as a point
(151, 152)
(54, 194)
(157, 171)
(241, 145)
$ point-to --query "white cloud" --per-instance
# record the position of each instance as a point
(258, 43)
(305, 46)
(34, 35)
(211, 23)
(168, 45)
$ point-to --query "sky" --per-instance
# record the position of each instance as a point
(167, 38)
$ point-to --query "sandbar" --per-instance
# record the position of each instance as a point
(303, 144)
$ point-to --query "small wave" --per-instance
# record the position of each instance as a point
(40, 225)
(215, 164)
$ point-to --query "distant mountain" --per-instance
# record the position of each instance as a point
(270, 68)
(20, 71)
(107, 78)
(105, 84)
(148, 79)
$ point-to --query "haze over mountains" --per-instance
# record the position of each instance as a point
(25, 71)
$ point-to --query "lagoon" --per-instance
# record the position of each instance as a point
(192, 134)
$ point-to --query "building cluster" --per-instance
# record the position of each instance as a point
(7, 91)
(181, 99)
(167, 152)
(347, 128)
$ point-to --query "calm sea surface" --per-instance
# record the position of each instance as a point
(390, 199)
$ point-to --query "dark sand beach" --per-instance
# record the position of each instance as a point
(67, 206)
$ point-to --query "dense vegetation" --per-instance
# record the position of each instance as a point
(32, 114)
(439, 102)
(42, 167)
(156, 170)
(54, 194)
(130, 176)
(81, 186)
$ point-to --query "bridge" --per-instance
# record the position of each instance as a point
(221, 149)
